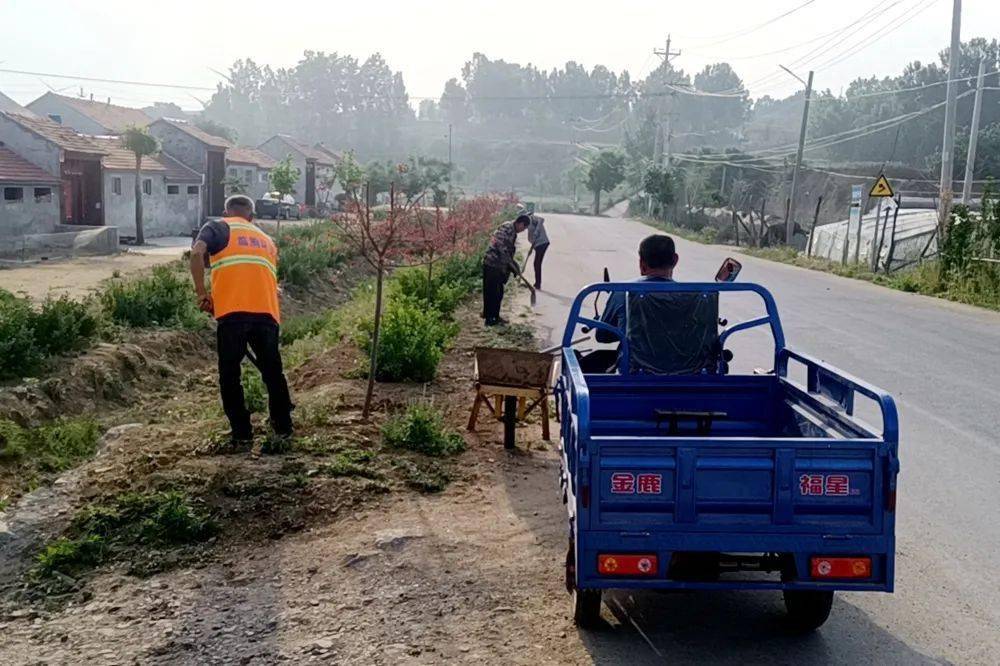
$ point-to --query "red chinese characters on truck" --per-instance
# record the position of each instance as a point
(825, 485)
(627, 483)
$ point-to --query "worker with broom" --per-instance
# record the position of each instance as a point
(498, 264)
(244, 300)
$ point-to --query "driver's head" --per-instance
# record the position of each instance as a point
(657, 255)
(239, 205)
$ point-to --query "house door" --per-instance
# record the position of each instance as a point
(310, 183)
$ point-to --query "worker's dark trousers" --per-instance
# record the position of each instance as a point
(493, 282)
(233, 338)
(539, 257)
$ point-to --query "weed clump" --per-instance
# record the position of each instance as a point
(27, 336)
(352, 462)
(254, 391)
(162, 299)
(306, 252)
(424, 477)
(51, 448)
(123, 525)
(421, 428)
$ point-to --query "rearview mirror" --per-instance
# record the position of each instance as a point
(729, 270)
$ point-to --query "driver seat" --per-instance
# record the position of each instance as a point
(673, 333)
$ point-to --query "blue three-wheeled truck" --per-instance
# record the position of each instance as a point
(692, 478)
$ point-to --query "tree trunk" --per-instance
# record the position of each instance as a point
(373, 365)
(140, 236)
(430, 279)
(281, 200)
(597, 202)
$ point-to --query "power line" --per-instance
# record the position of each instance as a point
(99, 80)
(759, 26)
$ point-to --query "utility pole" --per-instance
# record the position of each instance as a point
(970, 158)
(666, 54)
(450, 174)
(789, 223)
(948, 144)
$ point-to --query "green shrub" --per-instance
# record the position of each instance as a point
(163, 299)
(411, 342)
(443, 295)
(421, 428)
(302, 326)
(254, 391)
(352, 462)
(156, 518)
(307, 251)
(19, 351)
(64, 325)
(51, 448)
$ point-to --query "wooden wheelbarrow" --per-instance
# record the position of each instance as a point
(506, 379)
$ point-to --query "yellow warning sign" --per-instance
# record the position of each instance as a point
(882, 188)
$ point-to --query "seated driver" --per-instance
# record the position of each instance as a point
(669, 333)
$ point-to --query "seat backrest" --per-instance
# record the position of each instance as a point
(672, 333)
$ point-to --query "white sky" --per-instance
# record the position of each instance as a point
(178, 41)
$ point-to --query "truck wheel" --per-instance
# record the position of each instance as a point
(587, 608)
(807, 609)
(509, 421)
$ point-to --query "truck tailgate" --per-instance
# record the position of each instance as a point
(701, 484)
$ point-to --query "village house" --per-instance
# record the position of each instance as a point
(171, 192)
(200, 151)
(74, 160)
(249, 171)
(10, 106)
(316, 167)
(30, 203)
(88, 116)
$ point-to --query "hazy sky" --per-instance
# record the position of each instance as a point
(179, 41)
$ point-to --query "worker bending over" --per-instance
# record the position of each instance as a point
(498, 264)
(244, 301)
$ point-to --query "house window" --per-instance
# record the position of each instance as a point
(248, 176)
(13, 194)
(116, 185)
(173, 189)
(263, 176)
(192, 189)
(233, 172)
(43, 194)
(147, 185)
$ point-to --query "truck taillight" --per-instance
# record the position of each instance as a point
(626, 565)
(841, 567)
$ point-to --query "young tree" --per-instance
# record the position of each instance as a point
(350, 174)
(660, 184)
(140, 143)
(283, 178)
(605, 173)
(385, 244)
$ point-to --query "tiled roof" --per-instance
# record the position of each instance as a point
(62, 136)
(332, 154)
(201, 135)
(111, 117)
(16, 169)
(122, 159)
(309, 152)
(245, 155)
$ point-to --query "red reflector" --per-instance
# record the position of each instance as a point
(627, 565)
(841, 567)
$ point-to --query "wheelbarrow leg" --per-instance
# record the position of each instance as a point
(475, 411)
(509, 420)
(545, 417)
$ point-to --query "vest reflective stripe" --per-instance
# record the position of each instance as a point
(245, 273)
(231, 261)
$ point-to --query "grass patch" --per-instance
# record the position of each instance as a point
(164, 298)
(421, 428)
(427, 476)
(352, 462)
(51, 448)
(28, 337)
(512, 336)
(123, 528)
(297, 328)
(308, 251)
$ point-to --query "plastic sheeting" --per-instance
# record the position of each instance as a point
(672, 334)
(913, 231)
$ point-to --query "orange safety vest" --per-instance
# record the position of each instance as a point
(245, 272)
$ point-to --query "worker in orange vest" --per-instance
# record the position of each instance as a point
(244, 302)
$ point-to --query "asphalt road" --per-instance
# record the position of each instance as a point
(940, 361)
